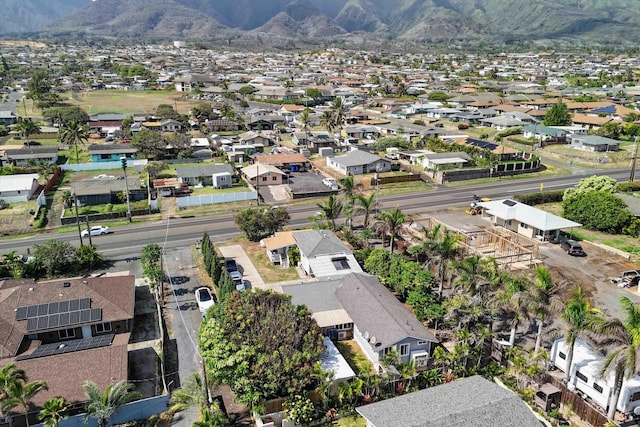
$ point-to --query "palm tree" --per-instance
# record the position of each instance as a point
(305, 118)
(14, 263)
(192, 393)
(10, 374)
(620, 339)
(75, 133)
(337, 110)
(577, 315)
(327, 120)
(331, 210)
(545, 301)
(102, 406)
(392, 221)
(347, 187)
(24, 392)
(53, 411)
(26, 127)
(472, 272)
(442, 245)
(366, 205)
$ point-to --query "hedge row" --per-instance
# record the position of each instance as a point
(538, 198)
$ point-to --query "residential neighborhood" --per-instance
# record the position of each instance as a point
(327, 237)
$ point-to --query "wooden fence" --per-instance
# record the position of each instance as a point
(580, 407)
(396, 178)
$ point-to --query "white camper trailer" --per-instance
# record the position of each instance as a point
(585, 376)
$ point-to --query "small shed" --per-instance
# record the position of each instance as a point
(548, 397)
(221, 180)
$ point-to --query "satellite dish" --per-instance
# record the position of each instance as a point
(636, 410)
(365, 335)
(373, 340)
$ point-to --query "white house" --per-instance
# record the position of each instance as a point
(524, 219)
(323, 254)
(585, 370)
(18, 188)
(358, 162)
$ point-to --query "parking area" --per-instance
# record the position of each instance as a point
(245, 266)
(298, 184)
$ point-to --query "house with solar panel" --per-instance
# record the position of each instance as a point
(526, 220)
(67, 331)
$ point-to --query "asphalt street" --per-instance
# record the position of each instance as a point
(178, 232)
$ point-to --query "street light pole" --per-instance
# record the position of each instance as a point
(123, 160)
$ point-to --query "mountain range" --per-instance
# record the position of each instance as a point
(479, 21)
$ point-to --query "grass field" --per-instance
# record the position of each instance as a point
(128, 102)
(17, 218)
(351, 421)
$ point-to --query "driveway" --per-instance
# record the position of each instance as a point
(249, 272)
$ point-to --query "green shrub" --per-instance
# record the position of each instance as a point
(629, 187)
(539, 198)
(41, 219)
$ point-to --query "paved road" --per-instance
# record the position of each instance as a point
(178, 232)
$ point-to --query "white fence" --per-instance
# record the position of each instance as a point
(102, 165)
(212, 199)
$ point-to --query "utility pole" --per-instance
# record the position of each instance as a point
(257, 185)
(123, 160)
(86, 217)
(75, 203)
(634, 158)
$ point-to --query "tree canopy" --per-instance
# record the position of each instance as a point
(258, 223)
(150, 144)
(261, 346)
(592, 183)
(557, 115)
(598, 210)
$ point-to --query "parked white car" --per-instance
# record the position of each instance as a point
(205, 299)
(96, 230)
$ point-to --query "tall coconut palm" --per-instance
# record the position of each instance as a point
(75, 133)
(192, 393)
(327, 120)
(365, 206)
(53, 411)
(24, 392)
(577, 315)
(620, 339)
(331, 210)
(544, 300)
(26, 127)
(472, 274)
(348, 187)
(305, 119)
(441, 245)
(337, 111)
(10, 374)
(392, 221)
(102, 406)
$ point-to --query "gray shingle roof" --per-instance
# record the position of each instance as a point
(472, 401)
(111, 148)
(356, 158)
(318, 296)
(313, 243)
(377, 311)
(203, 170)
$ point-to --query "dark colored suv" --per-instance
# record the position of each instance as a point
(572, 248)
(230, 265)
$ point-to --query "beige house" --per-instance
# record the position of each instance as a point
(262, 175)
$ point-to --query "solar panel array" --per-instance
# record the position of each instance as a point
(58, 314)
(69, 346)
(486, 145)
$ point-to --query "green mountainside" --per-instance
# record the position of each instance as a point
(587, 21)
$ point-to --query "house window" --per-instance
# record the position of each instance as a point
(65, 334)
(274, 178)
(344, 326)
(340, 263)
(103, 327)
(105, 156)
(523, 225)
(562, 356)
(582, 376)
(404, 349)
(422, 342)
(264, 178)
(388, 350)
(597, 387)
(635, 396)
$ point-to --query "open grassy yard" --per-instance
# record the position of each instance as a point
(270, 273)
(351, 421)
(141, 102)
(17, 218)
(100, 209)
(211, 190)
(354, 356)
(622, 242)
